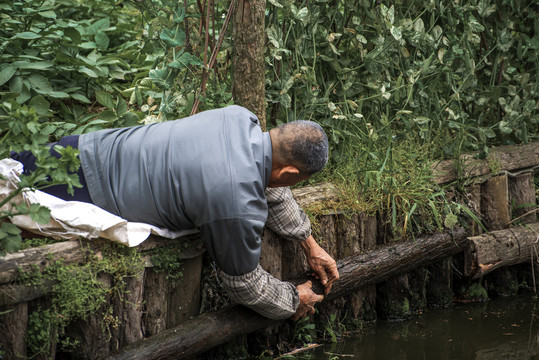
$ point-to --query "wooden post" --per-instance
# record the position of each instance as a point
(154, 318)
(495, 203)
(13, 325)
(439, 287)
(272, 254)
(184, 296)
(129, 310)
(347, 235)
(522, 197)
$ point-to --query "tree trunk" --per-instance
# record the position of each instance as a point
(248, 87)
(209, 330)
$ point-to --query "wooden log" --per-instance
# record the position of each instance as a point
(316, 196)
(495, 203)
(502, 248)
(14, 294)
(209, 330)
(504, 158)
(73, 251)
(13, 263)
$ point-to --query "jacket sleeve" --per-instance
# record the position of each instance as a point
(235, 246)
(285, 216)
(262, 293)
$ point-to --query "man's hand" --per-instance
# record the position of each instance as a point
(321, 263)
(307, 300)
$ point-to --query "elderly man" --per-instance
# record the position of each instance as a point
(218, 172)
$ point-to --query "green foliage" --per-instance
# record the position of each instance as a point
(78, 291)
(57, 54)
(395, 85)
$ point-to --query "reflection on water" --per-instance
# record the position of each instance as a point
(505, 328)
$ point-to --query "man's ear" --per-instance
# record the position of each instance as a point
(288, 170)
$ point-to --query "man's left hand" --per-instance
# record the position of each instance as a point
(321, 263)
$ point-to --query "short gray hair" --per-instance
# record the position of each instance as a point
(304, 144)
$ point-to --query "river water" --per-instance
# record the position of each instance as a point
(504, 328)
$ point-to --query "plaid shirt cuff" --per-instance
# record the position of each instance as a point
(263, 293)
(285, 216)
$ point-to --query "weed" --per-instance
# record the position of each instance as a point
(168, 259)
(304, 331)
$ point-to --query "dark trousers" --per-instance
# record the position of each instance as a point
(29, 161)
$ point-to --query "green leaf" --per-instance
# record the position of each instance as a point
(485, 9)
(39, 214)
(90, 73)
(37, 65)
(102, 40)
(49, 14)
(10, 228)
(105, 99)
(24, 95)
(26, 35)
(421, 120)
(504, 127)
(101, 24)
(173, 38)
(40, 83)
(15, 85)
(81, 98)
(121, 106)
(58, 94)
(88, 45)
(73, 34)
(184, 60)
(108, 116)
(40, 104)
(7, 73)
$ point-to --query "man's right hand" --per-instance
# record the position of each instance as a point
(307, 300)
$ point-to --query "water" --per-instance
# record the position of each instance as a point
(505, 328)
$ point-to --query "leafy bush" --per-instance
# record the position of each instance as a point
(398, 85)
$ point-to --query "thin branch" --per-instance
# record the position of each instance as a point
(213, 57)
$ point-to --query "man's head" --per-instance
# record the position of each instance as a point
(300, 149)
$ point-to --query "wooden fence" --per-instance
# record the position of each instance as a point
(501, 189)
